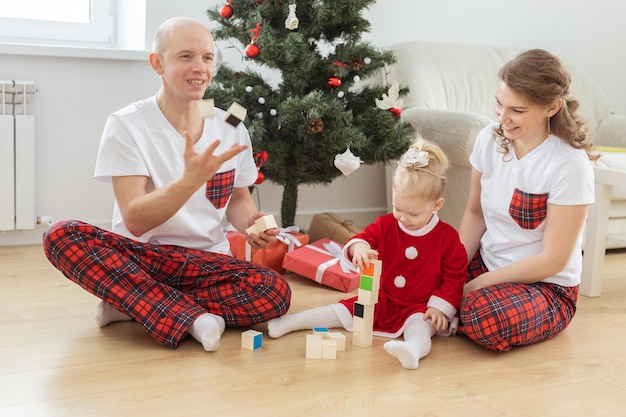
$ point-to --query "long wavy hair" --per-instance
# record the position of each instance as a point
(542, 78)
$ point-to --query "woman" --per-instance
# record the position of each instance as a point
(531, 186)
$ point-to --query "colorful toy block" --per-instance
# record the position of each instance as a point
(374, 270)
(206, 108)
(251, 339)
(329, 349)
(235, 114)
(262, 224)
(362, 339)
(339, 338)
(363, 320)
(367, 297)
(313, 346)
(324, 344)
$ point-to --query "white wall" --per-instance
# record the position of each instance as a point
(589, 35)
(77, 94)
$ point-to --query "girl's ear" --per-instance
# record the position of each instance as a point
(439, 203)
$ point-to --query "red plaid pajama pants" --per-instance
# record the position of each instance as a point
(165, 288)
(501, 316)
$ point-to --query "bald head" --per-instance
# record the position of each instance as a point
(173, 27)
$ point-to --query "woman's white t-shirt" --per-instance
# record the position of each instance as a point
(515, 192)
(139, 140)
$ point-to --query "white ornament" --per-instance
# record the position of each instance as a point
(392, 99)
(347, 163)
(341, 94)
(357, 79)
(261, 100)
(367, 60)
(249, 89)
(273, 112)
(292, 21)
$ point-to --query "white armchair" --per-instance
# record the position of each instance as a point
(451, 98)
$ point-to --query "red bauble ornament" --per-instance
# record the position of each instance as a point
(226, 11)
(395, 111)
(252, 51)
(259, 178)
(334, 82)
(262, 157)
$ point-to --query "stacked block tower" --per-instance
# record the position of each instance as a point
(363, 324)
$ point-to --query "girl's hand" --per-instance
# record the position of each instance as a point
(361, 255)
(437, 318)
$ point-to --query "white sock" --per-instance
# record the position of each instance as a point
(308, 319)
(208, 329)
(106, 313)
(416, 344)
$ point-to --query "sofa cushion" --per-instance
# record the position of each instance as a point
(448, 76)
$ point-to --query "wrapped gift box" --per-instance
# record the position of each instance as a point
(321, 261)
(272, 255)
(331, 226)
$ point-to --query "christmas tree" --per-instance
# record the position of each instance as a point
(321, 115)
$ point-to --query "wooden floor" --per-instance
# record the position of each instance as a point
(54, 361)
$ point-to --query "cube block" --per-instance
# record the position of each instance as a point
(251, 339)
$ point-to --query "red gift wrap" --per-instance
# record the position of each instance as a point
(322, 262)
(272, 255)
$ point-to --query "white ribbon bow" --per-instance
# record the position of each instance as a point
(334, 250)
(284, 236)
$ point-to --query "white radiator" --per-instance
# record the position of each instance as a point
(17, 155)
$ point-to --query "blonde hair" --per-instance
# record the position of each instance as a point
(421, 171)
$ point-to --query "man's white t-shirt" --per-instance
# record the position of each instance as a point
(517, 191)
(139, 140)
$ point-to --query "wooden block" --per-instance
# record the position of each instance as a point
(206, 108)
(369, 283)
(329, 349)
(367, 297)
(374, 270)
(363, 310)
(362, 339)
(235, 114)
(251, 339)
(313, 346)
(262, 224)
(362, 325)
(340, 338)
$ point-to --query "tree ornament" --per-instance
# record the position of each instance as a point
(315, 125)
(260, 177)
(391, 100)
(226, 11)
(395, 111)
(252, 50)
(356, 63)
(347, 162)
(292, 21)
(259, 158)
(334, 83)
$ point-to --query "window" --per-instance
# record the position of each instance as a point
(59, 22)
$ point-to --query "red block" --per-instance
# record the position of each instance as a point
(320, 261)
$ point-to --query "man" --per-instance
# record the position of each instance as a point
(176, 175)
